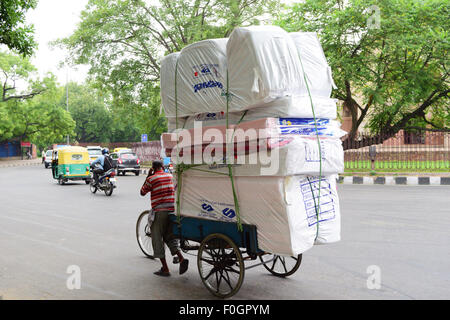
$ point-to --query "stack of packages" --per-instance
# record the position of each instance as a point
(253, 136)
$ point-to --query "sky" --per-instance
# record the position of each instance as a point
(55, 19)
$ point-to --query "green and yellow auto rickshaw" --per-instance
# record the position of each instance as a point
(71, 163)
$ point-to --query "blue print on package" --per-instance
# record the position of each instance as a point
(208, 84)
(302, 122)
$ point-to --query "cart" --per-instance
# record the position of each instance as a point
(222, 251)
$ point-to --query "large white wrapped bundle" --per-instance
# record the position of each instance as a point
(263, 65)
(264, 71)
(201, 78)
(282, 208)
(288, 107)
(296, 155)
(167, 72)
(315, 65)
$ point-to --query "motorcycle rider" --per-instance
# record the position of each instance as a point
(101, 165)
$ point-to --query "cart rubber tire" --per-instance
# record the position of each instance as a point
(143, 235)
(281, 267)
(223, 256)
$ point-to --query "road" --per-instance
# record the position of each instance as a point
(44, 228)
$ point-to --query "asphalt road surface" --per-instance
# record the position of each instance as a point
(400, 234)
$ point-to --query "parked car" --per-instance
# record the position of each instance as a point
(126, 162)
(48, 158)
(94, 152)
(117, 150)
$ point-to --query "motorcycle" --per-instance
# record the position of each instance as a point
(106, 182)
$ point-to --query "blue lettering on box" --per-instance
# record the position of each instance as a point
(209, 84)
(207, 207)
(206, 70)
(229, 213)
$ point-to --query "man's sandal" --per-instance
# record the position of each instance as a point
(184, 266)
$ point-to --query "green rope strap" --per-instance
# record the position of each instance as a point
(230, 167)
(316, 206)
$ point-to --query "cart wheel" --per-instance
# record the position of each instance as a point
(143, 235)
(220, 265)
(61, 181)
(281, 266)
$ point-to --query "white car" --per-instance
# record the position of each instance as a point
(48, 158)
(94, 152)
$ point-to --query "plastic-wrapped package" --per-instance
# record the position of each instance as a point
(264, 71)
(299, 155)
(315, 65)
(167, 72)
(253, 130)
(289, 107)
(282, 208)
(201, 78)
(263, 65)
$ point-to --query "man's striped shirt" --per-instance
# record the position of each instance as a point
(162, 191)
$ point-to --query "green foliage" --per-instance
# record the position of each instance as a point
(95, 121)
(123, 41)
(13, 32)
(388, 77)
(34, 113)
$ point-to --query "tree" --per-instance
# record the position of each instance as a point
(13, 32)
(36, 115)
(389, 59)
(124, 41)
(16, 69)
(39, 119)
(89, 111)
(94, 118)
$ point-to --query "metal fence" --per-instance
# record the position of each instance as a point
(417, 151)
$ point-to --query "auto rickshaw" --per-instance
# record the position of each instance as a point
(71, 163)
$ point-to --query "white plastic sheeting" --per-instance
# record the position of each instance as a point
(167, 72)
(315, 65)
(264, 71)
(252, 130)
(295, 107)
(201, 78)
(300, 155)
(282, 208)
(263, 65)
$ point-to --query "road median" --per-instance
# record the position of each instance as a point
(4, 163)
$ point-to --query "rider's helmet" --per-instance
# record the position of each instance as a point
(105, 151)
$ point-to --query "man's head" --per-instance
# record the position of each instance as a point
(105, 151)
(157, 165)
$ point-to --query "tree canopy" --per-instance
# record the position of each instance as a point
(34, 109)
(14, 33)
(30, 107)
(95, 122)
(390, 58)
